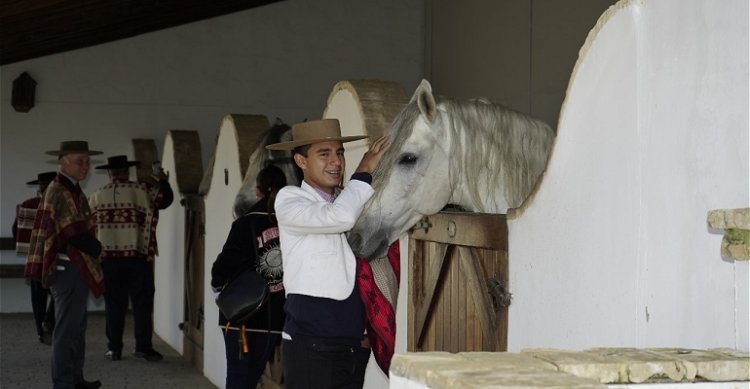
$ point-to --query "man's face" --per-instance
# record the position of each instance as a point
(75, 165)
(324, 165)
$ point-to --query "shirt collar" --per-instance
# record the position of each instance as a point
(326, 196)
(72, 181)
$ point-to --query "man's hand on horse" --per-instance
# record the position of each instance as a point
(371, 159)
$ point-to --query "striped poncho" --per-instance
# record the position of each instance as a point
(126, 215)
(63, 214)
(25, 215)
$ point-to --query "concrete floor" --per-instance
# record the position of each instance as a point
(25, 363)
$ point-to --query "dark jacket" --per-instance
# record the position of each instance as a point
(253, 242)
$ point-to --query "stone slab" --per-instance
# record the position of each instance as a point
(601, 368)
(710, 365)
(643, 366)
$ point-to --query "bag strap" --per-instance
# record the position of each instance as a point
(261, 213)
(257, 257)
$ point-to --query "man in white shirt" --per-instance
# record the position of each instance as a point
(324, 340)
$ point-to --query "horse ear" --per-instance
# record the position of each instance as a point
(425, 100)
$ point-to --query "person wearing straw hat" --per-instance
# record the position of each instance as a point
(324, 333)
(126, 214)
(44, 315)
(64, 256)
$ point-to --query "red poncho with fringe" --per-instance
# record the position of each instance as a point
(62, 214)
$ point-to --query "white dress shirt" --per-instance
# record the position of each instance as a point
(317, 259)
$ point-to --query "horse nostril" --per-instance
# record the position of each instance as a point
(355, 242)
(379, 251)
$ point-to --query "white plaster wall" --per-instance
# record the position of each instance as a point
(345, 107)
(218, 202)
(279, 60)
(169, 265)
(614, 249)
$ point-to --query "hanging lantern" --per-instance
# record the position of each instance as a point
(24, 88)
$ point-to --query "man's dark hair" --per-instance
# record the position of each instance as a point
(301, 150)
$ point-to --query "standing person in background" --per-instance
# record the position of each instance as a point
(253, 243)
(324, 333)
(64, 256)
(44, 315)
(126, 214)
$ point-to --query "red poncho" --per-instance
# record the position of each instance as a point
(379, 297)
(62, 214)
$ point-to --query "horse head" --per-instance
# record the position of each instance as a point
(411, 180)
(473, 154)
(260, 158)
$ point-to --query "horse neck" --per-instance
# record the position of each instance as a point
(475, 193)
(476, 170)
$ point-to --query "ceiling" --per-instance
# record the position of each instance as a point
(34, 28)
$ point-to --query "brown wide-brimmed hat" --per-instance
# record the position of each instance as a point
(73, 147)
(307, 133)
(117, 162)
(43, 178)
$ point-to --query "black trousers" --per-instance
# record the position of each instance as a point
(244, 370)
(319, 363)
(43, 313)
(131, 278)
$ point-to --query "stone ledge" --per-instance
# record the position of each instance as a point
(736, 226)
(641, 366)
(710, 365)
(729, 218)
(551, 368)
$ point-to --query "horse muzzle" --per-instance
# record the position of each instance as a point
(370, 246)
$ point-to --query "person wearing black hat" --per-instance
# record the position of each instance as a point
(324, 333)
(126, 215)
(44, 315)
(64, 256)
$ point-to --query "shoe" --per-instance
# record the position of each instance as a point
(46, 338)
(88, 384)
(149, 355)
(48, 326)
(113, 355)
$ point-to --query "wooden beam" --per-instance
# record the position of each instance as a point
(489, 231)
(471, 267)
(430, 286)
(7, 244)
(12, 271)
(36, 28)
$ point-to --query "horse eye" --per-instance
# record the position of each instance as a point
(407, 159)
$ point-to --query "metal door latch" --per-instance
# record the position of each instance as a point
(423, 224)
(499, 291)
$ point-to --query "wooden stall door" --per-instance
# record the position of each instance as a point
(458, 283)
(193, 322)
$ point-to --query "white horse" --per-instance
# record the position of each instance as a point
(479, 156)
(259, 159)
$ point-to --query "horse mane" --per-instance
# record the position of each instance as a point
(488, 141)
(260, 158)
